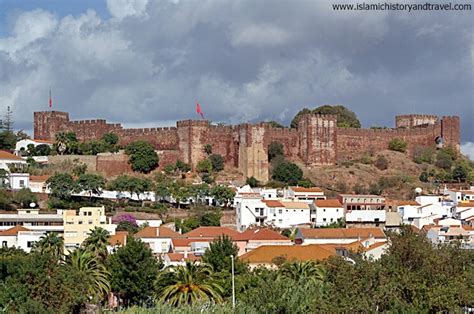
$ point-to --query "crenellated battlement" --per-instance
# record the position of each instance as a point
(316, 141)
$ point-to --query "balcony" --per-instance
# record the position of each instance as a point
(366, 216)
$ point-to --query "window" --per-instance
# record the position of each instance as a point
(324, 219)
(90, 222)
(280, 221)
(30, 244)
(4, 243)
(324, 209)
(280, 211)
(22, 183)
(332, 220)
(80, 222)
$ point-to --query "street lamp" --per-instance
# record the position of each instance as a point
(233, 281)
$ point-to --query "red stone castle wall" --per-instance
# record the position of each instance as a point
(317, 140)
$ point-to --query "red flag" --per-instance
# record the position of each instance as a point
(199, 111)
(50, 100)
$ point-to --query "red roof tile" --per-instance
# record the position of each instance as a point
(262, 234)
(13, 231)
(328, 203)
(211, 232)
(342, 233)
(157, 232)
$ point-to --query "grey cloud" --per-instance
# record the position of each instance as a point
(242, 60)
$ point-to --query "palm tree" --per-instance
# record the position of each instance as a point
(94, 275)
(52, 244)
(97, 242)
(189, 284)
(308, 270)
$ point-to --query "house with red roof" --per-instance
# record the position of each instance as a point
(326, 212)
(159, 239)
(20, 237)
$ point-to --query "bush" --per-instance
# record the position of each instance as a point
(287, 172)
(142, 156)
(306, 183)
(275, 149)
(25, 197)
(366, 159)
(397, 145)
(360, 189)
(381, 162)
(217, 162)
(204, 166)
(444, 160)
(252, 182)
(423, 155)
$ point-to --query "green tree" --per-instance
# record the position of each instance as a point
(92, 273)
(217, 162)
(62, 185)
(397, 145)
(189, 284)
(127, 226)
(133, 269)
(204, 166)
(275, 149)
(345, 117)
(210, 219)
(296, 119)
(222, 194)
(180, 191)
(134, 185)
(275, 124)
(97, 242)
(66, 143)
(25, 197)
(50, 244)
(444, 160)
(252, 182)
(218, 255)
(91, 183)
(142, 156)
(8, 140)
(306, 270)
(110, 139)
(287, 172)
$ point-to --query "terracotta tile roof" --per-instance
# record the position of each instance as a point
(469, 218)
(180, 242)
(332, 203)
(9, 156)
(39, 178)
(157, 232)
(469, 204)
(342, 233)
(306, 190)
(375, 245)
(407, 202)
(13, 231)
(44, 141)
(178, 257)
(295, 205)
(266, 254)
(415, 229)
(272, 203)
(211, 232)
(261, 234)
(119, 238)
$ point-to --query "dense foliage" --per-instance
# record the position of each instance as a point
(397, 145)
(345, 117)
(142, 156)
(413, 276)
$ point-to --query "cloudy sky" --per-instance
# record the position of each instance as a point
(147, 62)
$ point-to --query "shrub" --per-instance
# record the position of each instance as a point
(252, 182)
(397, 145)
(275, 149)
(288, 172)
(423, 155)
(142, 156)
(306, 183)
(204, 166)
(381, 162)
(444, 160)
(217, 162)
(366, 159)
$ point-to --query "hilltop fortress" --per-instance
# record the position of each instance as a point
(316, 141)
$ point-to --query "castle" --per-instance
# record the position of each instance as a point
(316, 141)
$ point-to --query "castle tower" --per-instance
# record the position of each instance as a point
(253, 158)
(450, 131)
(191, 136)
(318, 139)
(48, 123)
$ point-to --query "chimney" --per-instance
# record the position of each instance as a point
(185, 254)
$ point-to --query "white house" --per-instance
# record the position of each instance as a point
(20, 237)
(464, 211)
(253, 210)
(159, 239)
(22, 145)
(32, 219)
(326, 212)
(304, 194)
(18, 181)
(7, 159)
(443, 234)
(460, 195)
